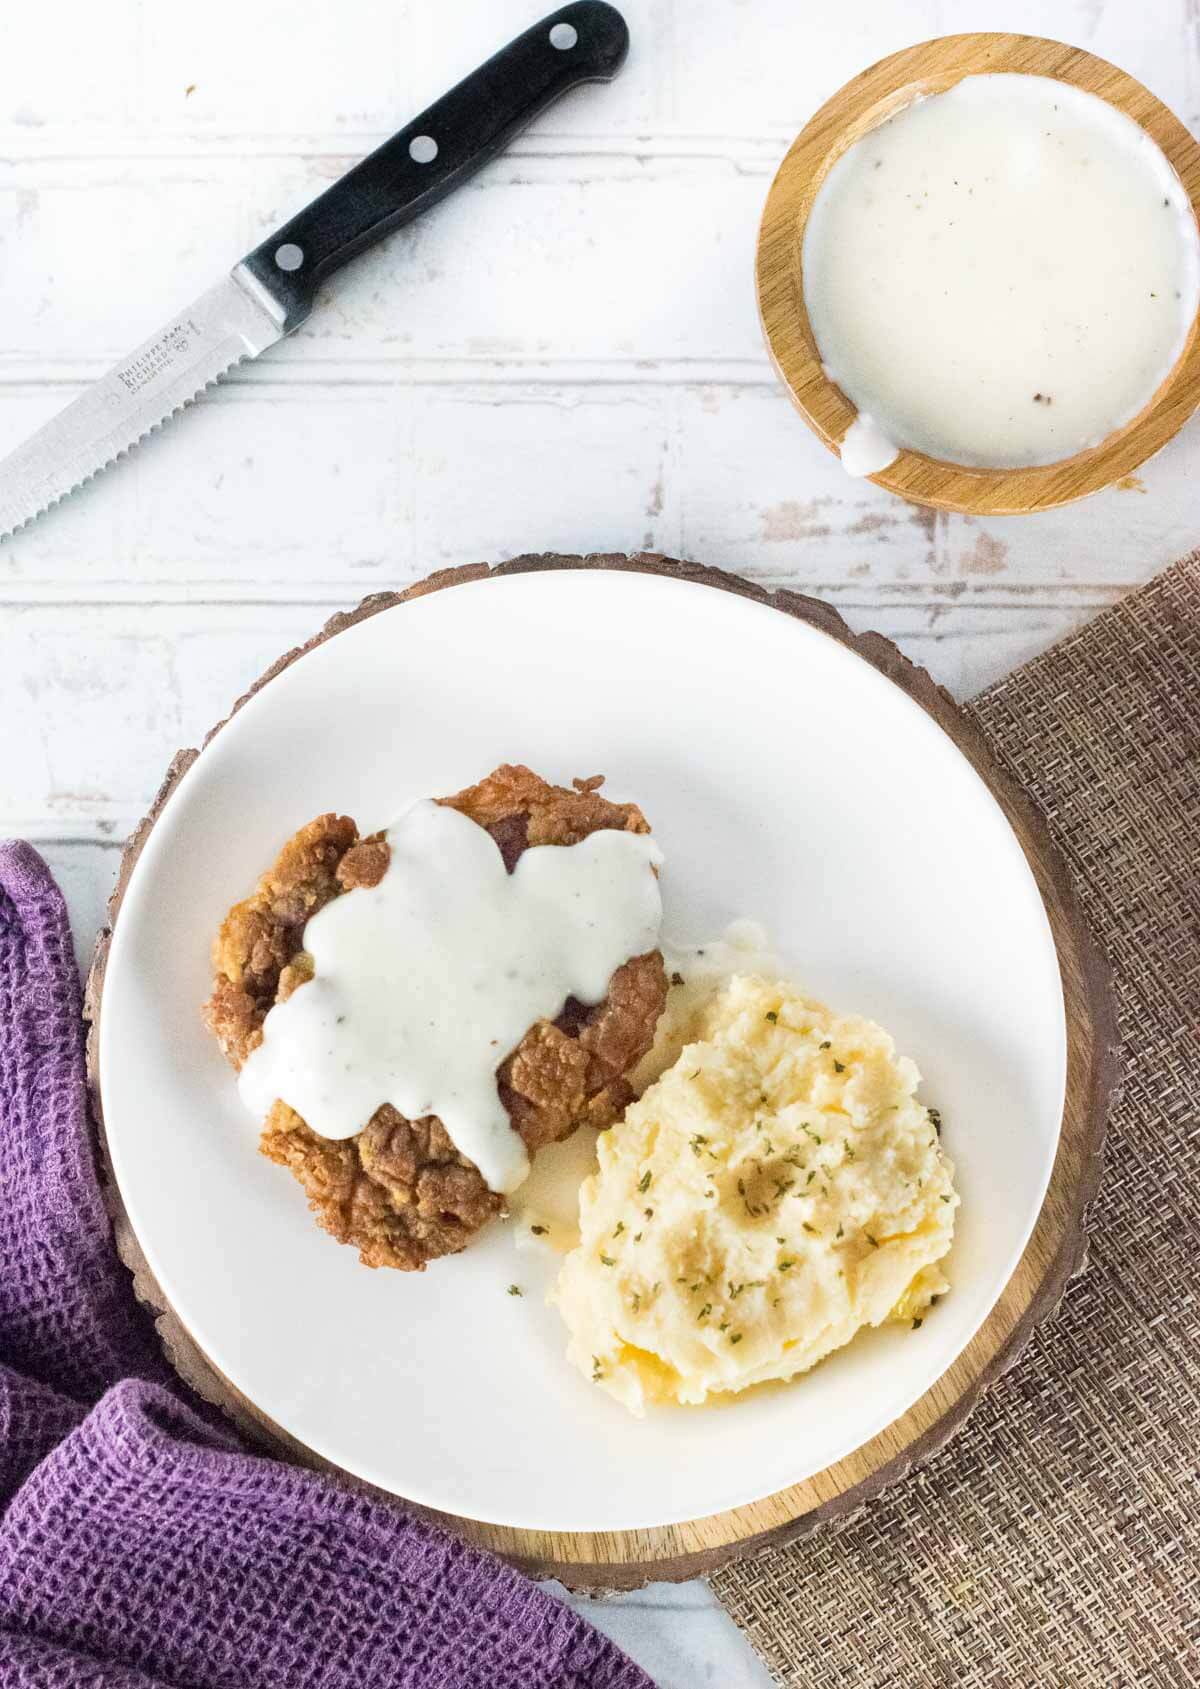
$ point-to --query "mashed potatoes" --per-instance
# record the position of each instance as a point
(774, 1191)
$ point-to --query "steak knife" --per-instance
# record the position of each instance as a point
(271, 291)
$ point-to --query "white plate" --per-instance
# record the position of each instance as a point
(787, 781)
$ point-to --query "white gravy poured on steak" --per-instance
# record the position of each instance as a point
(424, 983)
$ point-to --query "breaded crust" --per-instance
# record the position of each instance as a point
(399, 1191)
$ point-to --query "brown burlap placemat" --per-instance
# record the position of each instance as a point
(1056, 1540)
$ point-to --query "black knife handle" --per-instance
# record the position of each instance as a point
(583, 42)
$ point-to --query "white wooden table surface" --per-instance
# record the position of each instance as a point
(564, 356)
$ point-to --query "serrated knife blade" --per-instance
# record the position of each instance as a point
(220, 330)
(272, 290)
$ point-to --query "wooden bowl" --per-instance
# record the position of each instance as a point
(863, 104)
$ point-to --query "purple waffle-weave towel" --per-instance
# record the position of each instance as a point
(139, 1544)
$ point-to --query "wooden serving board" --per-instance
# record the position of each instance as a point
(862, 105)
(627, 1559)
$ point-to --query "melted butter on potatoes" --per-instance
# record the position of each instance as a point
(777, 1189)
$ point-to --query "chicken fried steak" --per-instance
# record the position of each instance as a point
(399, 1190)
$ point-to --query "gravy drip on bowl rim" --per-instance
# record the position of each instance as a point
(1000, 275)
(425, 982)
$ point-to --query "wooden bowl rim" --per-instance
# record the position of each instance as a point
(876, 94)
(1055, 1252)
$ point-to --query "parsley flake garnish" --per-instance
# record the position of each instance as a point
(786, 1266)
(839, 1067)
(874, 1242)
(735, 1337)
(607, 1261)
(917, 1324)
(644, 1181)
(772, 1016)
(826, 1045)
(515, 1290)
(597, 1370)
(539, 1231)
(620, 1228)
